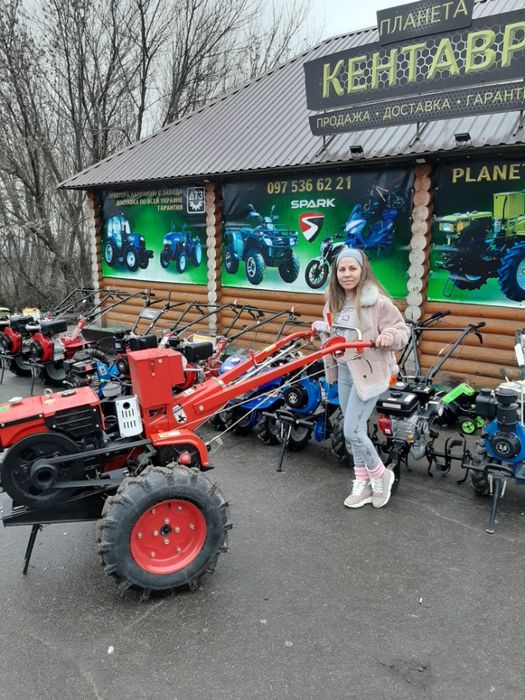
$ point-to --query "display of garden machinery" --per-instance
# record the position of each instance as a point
(50, 344)
(407, 413)
(162, 523)
(500, 453)
(16, 330)
(484, 244)
(14, 345)
(264, 245)
(108, 372)
(303, 408)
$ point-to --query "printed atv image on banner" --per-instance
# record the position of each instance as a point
(478, 234)
(155, 235)
(284, 234)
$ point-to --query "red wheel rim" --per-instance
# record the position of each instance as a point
(168, 536)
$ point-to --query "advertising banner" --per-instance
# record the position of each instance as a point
(155, 235)
(283, 234)
(478, 235)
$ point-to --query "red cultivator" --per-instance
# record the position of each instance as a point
(135, 464)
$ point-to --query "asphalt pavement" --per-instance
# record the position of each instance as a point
(312, 600)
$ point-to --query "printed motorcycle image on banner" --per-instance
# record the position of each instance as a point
(155, 235)
(284, 234)
(478, 235)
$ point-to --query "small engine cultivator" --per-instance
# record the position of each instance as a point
(135, 464)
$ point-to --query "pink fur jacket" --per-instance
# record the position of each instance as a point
(372, 370)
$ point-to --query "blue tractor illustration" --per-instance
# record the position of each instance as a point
(264, 245)
(123, 246)
(181, 246)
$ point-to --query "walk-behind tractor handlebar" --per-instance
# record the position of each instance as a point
(71, 457)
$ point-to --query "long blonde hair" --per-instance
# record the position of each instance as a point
(336, 295)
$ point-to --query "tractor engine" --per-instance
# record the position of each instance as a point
(45, 345)
(404, 417)
(36, 432)
(504, 435)
(13, 333)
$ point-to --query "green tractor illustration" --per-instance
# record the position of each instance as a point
(483, 244)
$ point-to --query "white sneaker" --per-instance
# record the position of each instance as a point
(361, 494)
(382, 488)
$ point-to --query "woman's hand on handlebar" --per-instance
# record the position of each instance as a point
(384, 340)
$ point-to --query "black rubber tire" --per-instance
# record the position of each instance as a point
(196, 254)
(466, 258)
(27, 450)
(20, 367)
(255, 267)
(143, 260)
(479, 483)
(138, 494)
(508, 273)
(53, 376)
(289, 270)
(467, 425)
(131, 258)
(165, 257)
(222, 420)
(339, 446)
(110, 254)
(267, 430)
(299, 436)
(316, 273)
(180, 262)
(242, 422)
(395, 466)
(478, 478)
(231, 260)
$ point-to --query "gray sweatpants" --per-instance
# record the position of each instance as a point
(356, 414)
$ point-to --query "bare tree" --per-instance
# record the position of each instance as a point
(80, 79)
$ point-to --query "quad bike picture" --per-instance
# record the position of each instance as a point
(356, 233)
(481, 245)
(180, 247)
(264, 245)
(124, 247)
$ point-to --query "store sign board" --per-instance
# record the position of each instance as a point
(491, 50)
(502, 97)
(422, 18)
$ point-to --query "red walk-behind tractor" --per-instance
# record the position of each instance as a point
(134, 463)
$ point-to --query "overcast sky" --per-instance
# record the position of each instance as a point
(341, 16)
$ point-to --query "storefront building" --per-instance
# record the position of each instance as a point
(406, 140)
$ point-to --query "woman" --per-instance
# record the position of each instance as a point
(355, 299)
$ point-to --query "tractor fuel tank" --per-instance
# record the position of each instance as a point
(154, 373)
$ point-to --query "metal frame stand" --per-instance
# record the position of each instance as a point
(79, 508)
(497, 485)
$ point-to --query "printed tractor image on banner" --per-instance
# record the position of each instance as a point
(155, 235)
(285, 234)
(478, 236)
